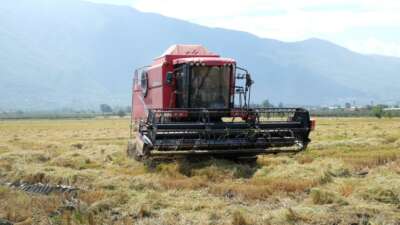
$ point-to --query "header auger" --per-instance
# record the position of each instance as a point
(193, 102)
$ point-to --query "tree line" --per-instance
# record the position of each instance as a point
(107, 110)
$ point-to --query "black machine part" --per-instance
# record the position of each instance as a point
(229, 132)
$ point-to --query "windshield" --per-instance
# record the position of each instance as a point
(209, 86)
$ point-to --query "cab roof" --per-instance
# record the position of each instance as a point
(188, 50)
(182, 53)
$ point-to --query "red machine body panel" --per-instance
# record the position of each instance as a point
(158, 93)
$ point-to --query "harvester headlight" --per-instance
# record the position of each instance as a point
(203, 64)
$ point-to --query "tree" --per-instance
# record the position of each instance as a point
(377, 111)
(389, 114)
(105, 108)
(121, 113)
(128, 109)
(267, 104)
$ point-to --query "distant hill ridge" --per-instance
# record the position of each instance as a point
(76, 54)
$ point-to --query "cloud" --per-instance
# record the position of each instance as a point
(373, 46)
(290, 20)
(293, 23)
(113, 2)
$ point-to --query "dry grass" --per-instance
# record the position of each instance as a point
(346, 189)
(303, 159)
(19, 206)
(239, 219)
(349, 175)
(90, 197)
(321, 197)
(371, 160)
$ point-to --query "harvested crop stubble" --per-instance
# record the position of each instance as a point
(349, 175)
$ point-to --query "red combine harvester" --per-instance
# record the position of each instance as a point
(193, 102)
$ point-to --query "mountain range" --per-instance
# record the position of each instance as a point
(77, 54)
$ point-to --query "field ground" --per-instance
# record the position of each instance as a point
(349, 175)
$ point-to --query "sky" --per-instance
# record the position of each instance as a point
(365, 26)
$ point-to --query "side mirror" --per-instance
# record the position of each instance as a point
(170, 77)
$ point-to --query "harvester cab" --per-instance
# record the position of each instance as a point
(190, 101)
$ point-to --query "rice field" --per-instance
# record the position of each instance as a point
(349, 175)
